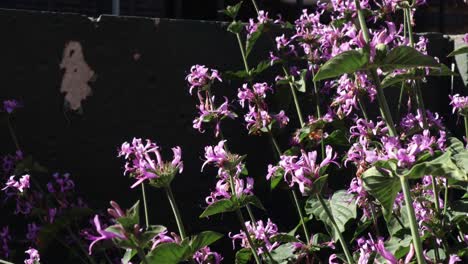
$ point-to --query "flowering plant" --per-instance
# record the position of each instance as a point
(404, 198)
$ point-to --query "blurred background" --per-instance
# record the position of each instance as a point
(445, 16)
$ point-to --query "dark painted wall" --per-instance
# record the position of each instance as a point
(138, 90)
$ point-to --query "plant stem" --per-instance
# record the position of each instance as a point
(5, 262)
(251, 215)
(466, 126)
(12, 133)
(317, 104)
(176, 212)
(296, 101)
(145, 206)
(436, 195)
(141, 254)
(301, 216)
(383, 105)
(244, 57)
(374, 219)
(255, 6)
(244, 228)
(349, 256)
(412, 219)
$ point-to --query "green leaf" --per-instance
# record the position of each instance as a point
(231, 11)
(318, 184)
(336, 138)
(459, 153)
(431, 254)
(236, 75)
(383, 184)
(398, 246)
(299, 225)
(129, 254)
(167, 253)
(243, 256)
(459, 51)
(235, 27)
(219, 207)
(252, 39)
(132, 217)
(251, 199)
(261, 66)
(404, 57)
(440, 166)
(282, 254)
(152, 231)
(396, 225)
(342, 206)
(204, 239)
(301, 84)
(393, 78)
(361, 228)
(284, 238)
(346, 62)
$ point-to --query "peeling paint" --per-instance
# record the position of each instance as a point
(78, 74)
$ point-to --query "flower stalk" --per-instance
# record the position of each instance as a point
(176, 212)
(145, 206)
(384, 109)
(413, 224)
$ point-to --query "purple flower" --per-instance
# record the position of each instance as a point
(206, 256)
(260, 233)
(200, 76)
(216, 155)
(11, 105)
(62, 183)
(208, 113)
(459, 104)
(20, 185)
(5, 238)
(103, 234)
(33, 231)
(305, 170)
(454, 259)
(162, 238)
(144, 162)
(34, 257)
(465, 38)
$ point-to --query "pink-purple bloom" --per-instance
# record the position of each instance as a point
(206, 256)
(201, 76)
(144, 162)
(10, 106)
(261, 233)
(18, 185)
(34, 257)
(459, 104)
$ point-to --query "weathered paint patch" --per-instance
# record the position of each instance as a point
(78, 74)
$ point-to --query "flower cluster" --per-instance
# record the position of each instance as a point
(206, 256)
(9, 106)
(144, 162)
(459, 104)
(258, 118)
(34, 257)
(303, 170)
(230, 168)
(368, 246)
(17, 185)
(260, 233)
(202, 79)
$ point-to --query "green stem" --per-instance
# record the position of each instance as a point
(383, 105)
(275, 143)
(244, 57)
(400, 98)
(349, 256)
(436, 195)
(255, 6)
(296, 101)
(176, 212)
(374, 219)
(142, 255)
(145, 205)
(409, 23)
(412, 220)
(317, 105)
(301, 216)
(362, 21)
(244, 228)
(251, 215)
(466, 126)
(5, 262)
(12, 133)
